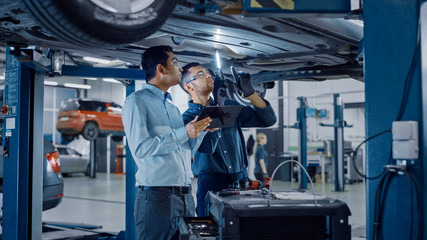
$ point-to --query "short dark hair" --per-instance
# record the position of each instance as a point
(152, 57)
(186, 74)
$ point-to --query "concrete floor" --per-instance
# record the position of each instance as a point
(101, 201)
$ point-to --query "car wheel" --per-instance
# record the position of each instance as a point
(100, 22)
(117, 138)
(90, 131)
(67, 138)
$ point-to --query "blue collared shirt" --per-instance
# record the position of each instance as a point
(157, 138)
(224, 151)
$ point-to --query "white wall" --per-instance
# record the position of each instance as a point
(115, 92)
(101, 90)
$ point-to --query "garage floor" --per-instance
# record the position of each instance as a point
(101, 202)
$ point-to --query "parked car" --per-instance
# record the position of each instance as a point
(53, 183)
(72, 161)
(90, 118)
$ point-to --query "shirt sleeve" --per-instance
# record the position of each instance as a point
(257, 117)
(260, 153)
(140, 143)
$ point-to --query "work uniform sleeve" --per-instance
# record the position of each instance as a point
(140, 143)
(260, 154)
(257, 117)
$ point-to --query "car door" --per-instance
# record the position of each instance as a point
(115, 116)
(81, 161)
(101, 112)
(70, 160)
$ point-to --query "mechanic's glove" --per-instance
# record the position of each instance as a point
(216, 74)
(244, 83)
(265, 175)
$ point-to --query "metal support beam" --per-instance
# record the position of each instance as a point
(92, 159)
(316, 73)
(339, 143)
(292, 8)
(89, 71)
(130, 183)
(386, 77)
(18, 165)
(423, 21)
(302, 136)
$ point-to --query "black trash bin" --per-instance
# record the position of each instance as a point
(285, 170)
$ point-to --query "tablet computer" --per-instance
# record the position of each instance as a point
(222, 116)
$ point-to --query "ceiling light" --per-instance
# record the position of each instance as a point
(73, 85)
(218, 62)
(97, 60)
(91, 79)
(110, 80)
(50, 83)
(1, 77)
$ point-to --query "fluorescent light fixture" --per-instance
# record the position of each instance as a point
(50, 83)
(73, 85)
(1, 77)
(218, 62)
(91, 79)
(97, 60)
(110, 80)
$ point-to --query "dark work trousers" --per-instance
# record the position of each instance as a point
(214, 182)
(157, 213)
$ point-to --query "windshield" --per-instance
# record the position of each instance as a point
(70, 105)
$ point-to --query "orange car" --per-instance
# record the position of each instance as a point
(90, 118)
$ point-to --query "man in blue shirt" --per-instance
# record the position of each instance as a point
(161, 147)
(221, 158)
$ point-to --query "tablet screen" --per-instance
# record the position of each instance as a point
(222, 116)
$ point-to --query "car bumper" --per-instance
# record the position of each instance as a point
(52, 196)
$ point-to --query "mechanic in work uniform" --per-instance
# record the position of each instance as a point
(221, 158)
(161, 147)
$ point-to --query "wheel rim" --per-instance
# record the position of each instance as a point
(124, 6)
(91, 132)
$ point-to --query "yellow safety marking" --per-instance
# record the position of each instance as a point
(255, 4)
(285, 4)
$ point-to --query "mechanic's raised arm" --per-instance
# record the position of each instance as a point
(263, 115)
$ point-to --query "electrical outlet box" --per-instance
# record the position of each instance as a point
(405, 140)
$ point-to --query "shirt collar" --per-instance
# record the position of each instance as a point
(156, 91)
(191, 104)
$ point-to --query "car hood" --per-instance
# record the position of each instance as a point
(80, 145)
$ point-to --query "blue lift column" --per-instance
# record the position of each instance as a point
(23, 146)
(392, 60)
(130, 184)
(339, 143)
(302, 150)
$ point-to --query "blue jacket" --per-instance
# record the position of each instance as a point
(224, 151)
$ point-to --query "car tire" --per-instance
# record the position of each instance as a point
(90, 23)
(90, 131)
(67, 137)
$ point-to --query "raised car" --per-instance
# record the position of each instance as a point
(90, 118)
(270, 47)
